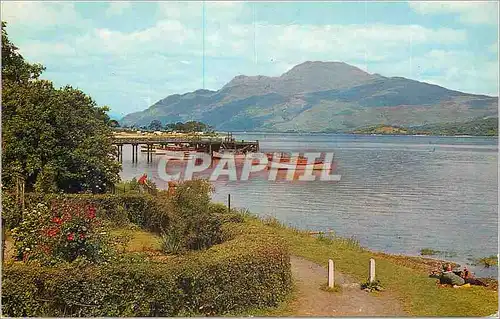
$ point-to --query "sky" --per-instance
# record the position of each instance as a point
(128, 55)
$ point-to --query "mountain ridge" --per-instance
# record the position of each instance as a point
(318, 96)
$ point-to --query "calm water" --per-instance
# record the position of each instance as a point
(397, 194)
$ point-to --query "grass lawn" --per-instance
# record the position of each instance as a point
(406, 277)
(134, 239)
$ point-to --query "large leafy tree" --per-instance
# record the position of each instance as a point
(54, 139)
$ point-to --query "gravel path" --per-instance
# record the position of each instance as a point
(351, 301)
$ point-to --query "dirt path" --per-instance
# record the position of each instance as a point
(351, 301)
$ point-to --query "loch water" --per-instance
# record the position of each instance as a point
(397, 194)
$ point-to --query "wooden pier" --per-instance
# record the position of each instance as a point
(200, 144)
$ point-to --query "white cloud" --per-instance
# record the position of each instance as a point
(276, 48)
(345, 42)
(456, 70)
(470, 12)
(193, 12)
(117, 8)
(40, 14)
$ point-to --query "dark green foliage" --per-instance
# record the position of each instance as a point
(372, 286)
(14, 68)
(155, 125)
(222, 212)
(171, 243)
(252, 270)
(141, 209)
(188, 127)
(194, 221)
(52, 139)
(113, 123)
(477, 127)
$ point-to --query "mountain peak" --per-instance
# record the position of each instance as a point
(316, 67)
(318, 95)
(311, 76)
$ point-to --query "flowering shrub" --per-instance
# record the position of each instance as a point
(61, 231)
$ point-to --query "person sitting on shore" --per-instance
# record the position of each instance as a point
(450, 278)
(469, 278)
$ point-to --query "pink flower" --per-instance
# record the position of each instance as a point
(71, 236)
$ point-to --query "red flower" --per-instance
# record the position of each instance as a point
(82, 236)
(57, 220)
(52, 232)
(71, 236)
(91, 212)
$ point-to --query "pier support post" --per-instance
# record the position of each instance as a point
(229, 202)
(331, 274)
(372, 270)
(134, 153)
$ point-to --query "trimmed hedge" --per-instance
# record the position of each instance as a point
(141, 209)
(250, 271)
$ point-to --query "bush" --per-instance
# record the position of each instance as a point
(189, 213)
(62, 232)
(194, 220)
(171, 243)
(141, 209)
(222, 212)
(250, 271)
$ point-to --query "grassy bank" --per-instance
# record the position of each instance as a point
(405, 277)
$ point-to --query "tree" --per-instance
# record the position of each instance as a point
(53, 139)
(113, 123)
(155, 125)
(189, 127)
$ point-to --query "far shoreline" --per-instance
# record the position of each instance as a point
(352, 134)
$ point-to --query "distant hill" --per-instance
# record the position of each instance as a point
(318, 96)
(477, 127)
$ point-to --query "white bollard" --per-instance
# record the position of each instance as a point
(372, 270)
(331, 273)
